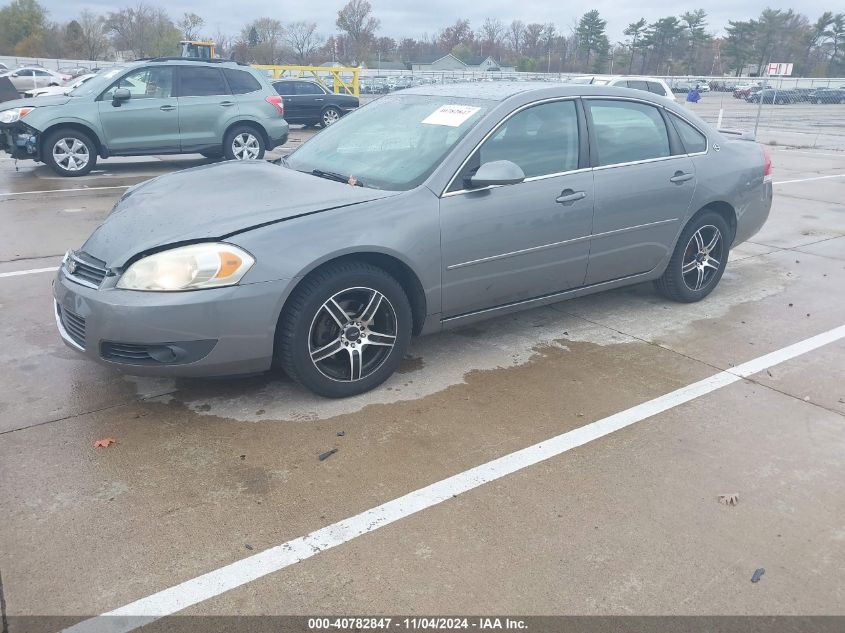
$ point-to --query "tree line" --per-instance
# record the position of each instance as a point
(673, 45)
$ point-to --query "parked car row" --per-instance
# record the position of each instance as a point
(31, 77)
(797, 95)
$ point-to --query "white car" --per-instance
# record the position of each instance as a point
(647, 84)
(29, 77)
(59, 90)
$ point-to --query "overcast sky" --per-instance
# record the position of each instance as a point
(414, 17)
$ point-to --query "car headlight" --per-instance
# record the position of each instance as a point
(193, 267)
(14, 114)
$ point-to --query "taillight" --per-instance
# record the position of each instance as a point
(767, 163)
(277, 102)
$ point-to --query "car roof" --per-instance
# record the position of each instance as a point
(502, 90)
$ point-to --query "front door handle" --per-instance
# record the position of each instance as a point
(167, 108)
(226, 104)
(568, 196)
(319, 99)
(681, 177)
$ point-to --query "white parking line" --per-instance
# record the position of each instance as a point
(786, 182)
(31, 193)
(214, 583)
(31, 271)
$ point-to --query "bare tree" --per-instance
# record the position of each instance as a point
(356, 21)
(265, 37)
(93, 35)
(516, 33)
(190, 24)
(492, 33)
(143, 31)
(303, 38)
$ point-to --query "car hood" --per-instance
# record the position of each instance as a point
(214, 202)
(55, 100)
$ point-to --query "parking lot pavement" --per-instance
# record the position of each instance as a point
(207, 473)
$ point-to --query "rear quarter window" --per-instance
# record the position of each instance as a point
(693, 140)
(240, 81)
(656, 88)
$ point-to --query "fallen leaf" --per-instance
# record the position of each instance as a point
(105, 442)
(729, 499)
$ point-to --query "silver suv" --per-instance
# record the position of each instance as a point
(159, 106)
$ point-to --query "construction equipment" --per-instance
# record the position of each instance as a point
(338, 79)
(197, 49)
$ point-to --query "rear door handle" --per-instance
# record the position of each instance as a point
(167, 108)
(318, 99)
(568, 196)
(681, 177)
(226, 104)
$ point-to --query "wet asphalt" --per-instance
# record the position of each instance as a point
(205, 473)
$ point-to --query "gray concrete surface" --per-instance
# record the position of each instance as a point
(205, 473)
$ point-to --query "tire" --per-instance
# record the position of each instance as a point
(330, 116)
(356, 356)
(695, 252)
(243, 142)
(69, 152)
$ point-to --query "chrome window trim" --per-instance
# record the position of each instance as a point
(446, 191)
(654, 105)
(531, 179)
(554, 244)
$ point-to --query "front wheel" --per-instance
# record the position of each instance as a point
(69, 152)
(330, 116)
(698, 261)
(243, 142)
(345, 330)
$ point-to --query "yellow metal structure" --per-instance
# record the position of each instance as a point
(197, 49)
(337, 76)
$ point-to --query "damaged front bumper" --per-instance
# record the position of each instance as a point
(19, 140)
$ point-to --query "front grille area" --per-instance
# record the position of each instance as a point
(85, 269)
(74, 326)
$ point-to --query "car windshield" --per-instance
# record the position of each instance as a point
(98, 82)
(392, 143)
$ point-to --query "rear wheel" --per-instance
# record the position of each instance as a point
(69, 152)
(345, 330)
(699, 259)
(330, 116)
(243, 142)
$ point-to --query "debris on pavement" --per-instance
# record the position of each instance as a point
(248, 546)
(105, 442)
(758, 574)
(341, 433)
(327, 454)
(729, 499)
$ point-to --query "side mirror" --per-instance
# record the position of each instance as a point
(120, 95)
(498, 172)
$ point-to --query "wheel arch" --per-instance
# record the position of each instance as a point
(249, 123)
(724, 209)
(79, 127)
(392, 265)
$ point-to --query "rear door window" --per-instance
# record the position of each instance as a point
(200, 81)
(656, 88)
(285, 88)
(637, 84)
(240, 81)
(308, 88)
(693, 140)
(627, 131)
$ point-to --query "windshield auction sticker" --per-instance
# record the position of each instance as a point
(451, 115)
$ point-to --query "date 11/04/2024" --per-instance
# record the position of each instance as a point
(417, 623)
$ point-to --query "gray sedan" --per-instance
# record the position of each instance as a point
(428, 209)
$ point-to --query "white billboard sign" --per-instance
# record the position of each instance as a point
(780, 68)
